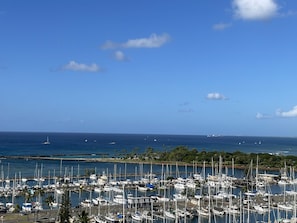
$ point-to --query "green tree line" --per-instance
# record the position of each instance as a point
(186, 155)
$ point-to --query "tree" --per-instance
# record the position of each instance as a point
(38, 193)
(149, 153)
(88, 172)
(84, 217)
(28, 194)
(64, 213)
(50, 200)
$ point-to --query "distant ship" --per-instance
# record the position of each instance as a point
(213, 135)
(47, 142)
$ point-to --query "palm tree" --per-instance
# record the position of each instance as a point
(49, 201)
(28, 194)
(84, 217)
(64, 213)
(39, 193)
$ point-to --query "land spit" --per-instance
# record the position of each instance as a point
(89, 158)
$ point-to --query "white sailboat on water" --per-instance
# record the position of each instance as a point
(47, 142)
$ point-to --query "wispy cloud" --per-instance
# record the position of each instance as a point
(263, 116)
(215, 96)
(153, 41)
(120, 56)
(287, 14)
(221, 26)
(255, 9)
(110, 45)
(74, 66)
(184, 104)
(185, 108)
(287, 114)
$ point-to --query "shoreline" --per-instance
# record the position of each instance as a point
(130, 161)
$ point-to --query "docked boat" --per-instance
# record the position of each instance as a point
(285, 206)
(27, 207)
(233, 209)
(147, 215)
(142, 188)
(169, 215)
(86, 203)
(179, 186)
(162, 199)
(111, 218)
(98, 219)
(137, 216)
(119, 199)
(203, 212)
(218, 211)
(179, 197)
(191, 184)
(261, 209)
(99, 201)
(37, 206)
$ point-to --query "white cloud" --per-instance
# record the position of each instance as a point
(255, 9)
(184, 103)
(262, 116)
(120, 56)
(286, 14)
(110, 45)
(153, 41)
(74, 66)
(221, 26)
(287, 114)
(215, 96)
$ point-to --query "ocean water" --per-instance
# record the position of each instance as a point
(19, 143)
(98, 145)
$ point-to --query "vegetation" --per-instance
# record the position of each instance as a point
(49, 201)
(84, 217)
(64, 213)
(186, 155)
(88, 172)
(28, 194)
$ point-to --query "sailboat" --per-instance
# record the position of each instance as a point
(47, 142)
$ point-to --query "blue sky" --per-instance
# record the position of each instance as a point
(170, 67)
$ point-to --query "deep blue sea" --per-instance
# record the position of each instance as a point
(20, 143)
(97, 145)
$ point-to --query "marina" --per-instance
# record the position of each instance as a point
(109, 188)
(153, 193)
